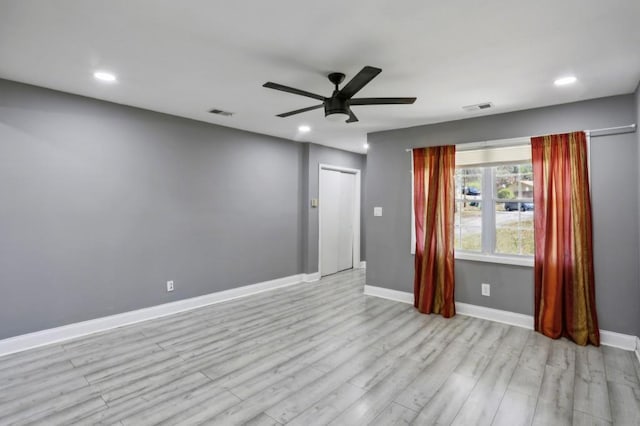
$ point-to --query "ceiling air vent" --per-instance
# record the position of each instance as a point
(221, 112)
(478, 107)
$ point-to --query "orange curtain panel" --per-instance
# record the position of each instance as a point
(565, 302)
(434, 192)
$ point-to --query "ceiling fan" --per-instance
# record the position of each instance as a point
(338, 106)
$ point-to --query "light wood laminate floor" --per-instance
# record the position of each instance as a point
(319, 353)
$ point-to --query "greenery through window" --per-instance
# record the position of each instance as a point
(468, 211)
(494, 210)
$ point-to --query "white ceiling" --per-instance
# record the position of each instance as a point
(186, 57)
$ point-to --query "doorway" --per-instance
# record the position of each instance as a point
(339, 219)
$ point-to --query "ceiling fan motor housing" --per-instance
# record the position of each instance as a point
(335, 105)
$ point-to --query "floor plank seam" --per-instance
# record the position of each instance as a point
(356, 385)
(232, 393)
(520, 353)
(468, 395)
(611, 402)
(593, 415)
(277, 422)
(535, 411)
(408, 408)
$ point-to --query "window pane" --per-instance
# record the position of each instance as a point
(514, 228)
(469, 183)
(468, 225)
(514, 182)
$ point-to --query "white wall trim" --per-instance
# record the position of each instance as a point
(309, 278)
(607, 338)
(387, 293)
(496, 315)
(356, 212)
(363, 264)
(618, 340)
(71, 331)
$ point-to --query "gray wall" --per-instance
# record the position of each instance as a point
(101, 204)
(316, 155)
(615, 210)
(637, 99)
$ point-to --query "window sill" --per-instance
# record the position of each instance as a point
(505, 260)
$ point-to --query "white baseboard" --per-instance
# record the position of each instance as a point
(71, 331)
(387, 293)
(618, 340)
(496, 315)
(607, 338)
(363, 264)
(309, 278)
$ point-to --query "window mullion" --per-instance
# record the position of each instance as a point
(488, 216)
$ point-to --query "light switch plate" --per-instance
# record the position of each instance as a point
(486, 289)
(377, 211)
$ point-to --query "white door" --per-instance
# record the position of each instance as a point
(345, 221)
(337, 201)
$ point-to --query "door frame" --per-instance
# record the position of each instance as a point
(356, 213)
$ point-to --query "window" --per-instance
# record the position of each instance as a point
(468, 216)
(494, 210)
(514, 218)
(494, 203)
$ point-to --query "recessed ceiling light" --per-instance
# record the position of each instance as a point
(565, 80)
(366, 145)
(304, 129)
(104, 76)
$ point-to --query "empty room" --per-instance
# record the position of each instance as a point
(313, 213)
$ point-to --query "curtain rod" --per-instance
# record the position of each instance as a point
(629, 128)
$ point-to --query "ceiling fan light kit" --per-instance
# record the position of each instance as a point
(338, 106)
(336, 109)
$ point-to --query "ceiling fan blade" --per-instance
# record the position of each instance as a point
(381, 101)
(352, 117)
(298, 111)
(361, 79)
(280, 87)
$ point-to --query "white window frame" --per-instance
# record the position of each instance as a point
(488, 241)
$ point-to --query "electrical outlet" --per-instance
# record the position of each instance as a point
(486, 289)
(169, 285)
